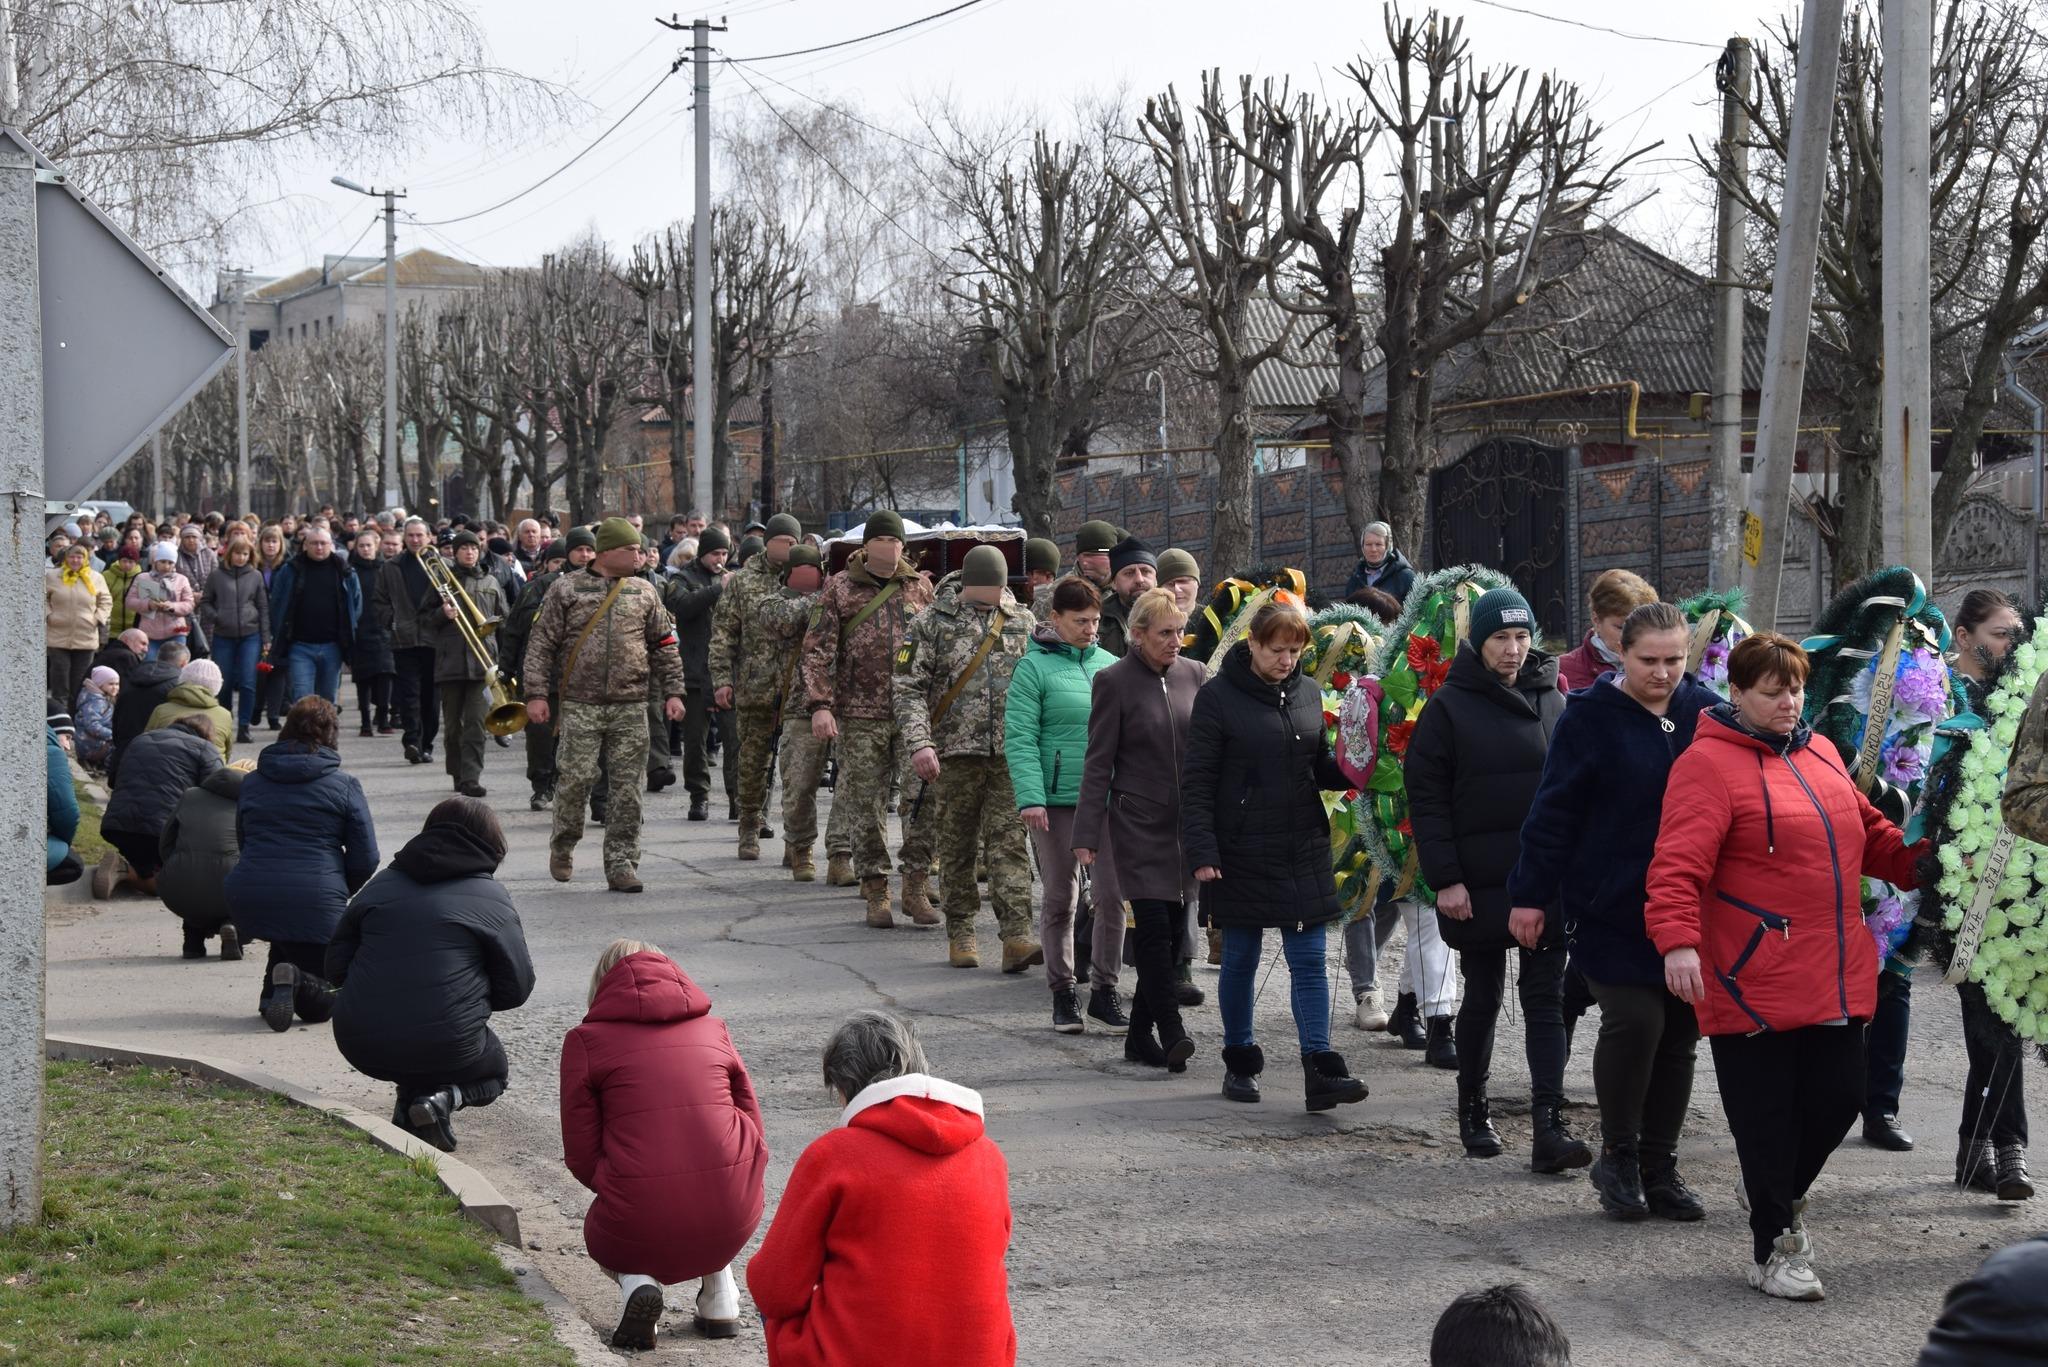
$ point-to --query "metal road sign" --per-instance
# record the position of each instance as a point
(123, 346)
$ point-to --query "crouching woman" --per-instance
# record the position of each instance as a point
(659, 1119)
(909, 1179)
(425, 953)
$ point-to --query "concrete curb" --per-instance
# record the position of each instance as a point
(480, 1200)
(572, 1331)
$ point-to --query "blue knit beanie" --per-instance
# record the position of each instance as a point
(1499, 610)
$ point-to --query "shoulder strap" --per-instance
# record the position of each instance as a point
(988, 643)
(569, 665)
(868, 609)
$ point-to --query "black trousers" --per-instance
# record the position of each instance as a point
(419, 704)
(1789, 1096)
(482, 1082)
(373, 698)
(270, 690)
(141, 850)
(1157, 936)
(1995, 1095)
(1541, 991)
(66, 673)
(700, 724)
(314, 1000)
(1884, 1044)
(1643, 1067)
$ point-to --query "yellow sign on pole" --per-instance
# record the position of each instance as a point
(1752, 537)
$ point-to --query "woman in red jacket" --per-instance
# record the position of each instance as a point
(1755, 903)
(659, 1119)
(888, 1246)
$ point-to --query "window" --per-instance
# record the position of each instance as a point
(257, 337)
(316, 327)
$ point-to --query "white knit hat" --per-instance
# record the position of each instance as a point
(164, 551)
(205, 673)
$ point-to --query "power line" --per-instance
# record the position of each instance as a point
(865, 37)
(1597, 28)
(798, 134)
(842, 112)
(361, 235)
(464, 218)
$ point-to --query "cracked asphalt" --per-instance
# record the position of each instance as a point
(1155, 1223)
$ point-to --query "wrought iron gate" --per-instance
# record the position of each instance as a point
(1502, 504)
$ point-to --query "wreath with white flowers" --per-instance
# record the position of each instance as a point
(1717, 628)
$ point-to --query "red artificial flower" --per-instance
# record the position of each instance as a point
(1340, 681)
(1329, 717)
(1398, 736)
(1405, 828)
(1423, 652)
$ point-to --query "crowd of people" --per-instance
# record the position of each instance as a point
(1596, 819)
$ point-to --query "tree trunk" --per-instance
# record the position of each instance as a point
(1033, 461)
(1861, 526)
(1403, 467)
(1344, 410)
(1230, 542)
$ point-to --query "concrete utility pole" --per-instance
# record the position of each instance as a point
(700, 277)
(1728, 493)
(241, 394)
(1908, 480)
(1777, 429)
(390, 198)
(156, 475)
(21, 691)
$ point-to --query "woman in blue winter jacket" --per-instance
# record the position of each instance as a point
(1586, 847)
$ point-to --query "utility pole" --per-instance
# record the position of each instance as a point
(700, 272)
(1726, 494)
(21, 689)
(391, 198)
(1908, 482)
(241, 394)
(1784, 382)
(156, 476)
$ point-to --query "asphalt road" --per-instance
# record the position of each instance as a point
(1155, 1223)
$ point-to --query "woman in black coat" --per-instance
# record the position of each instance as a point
(199, 850)
(1472, 770)
(370, 661)
(426, 952)
(1256, 836)
(156, 769)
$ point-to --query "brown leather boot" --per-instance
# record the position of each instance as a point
(962, 951)
(876, 891)
(797, 859)
(917, 900)
(839, 871)
(750, 835)
(561, 866)
(1021, 952)
(624, 878)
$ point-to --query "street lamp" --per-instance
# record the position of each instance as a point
(391, 198)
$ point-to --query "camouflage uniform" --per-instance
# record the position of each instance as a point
(751, 657)
(784, 618)
(976, 808)
(853, 679)
(604, 700)
(2026, 773)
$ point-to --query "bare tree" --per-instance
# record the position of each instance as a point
(423, 403)
(1491, 165)
(1208, 194)
(499, 390)
(1986, 199)
(1052, 249)
(585, 346)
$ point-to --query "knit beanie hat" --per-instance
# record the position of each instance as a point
(164, 551)
(1177, 564)
(1094, 538)
(803, 553)
(751, 546)
(578, 536)
(1128, 552)
(782, 524)
(882, 522)
(614, 532)
(553, 550)
(498, 545)
(1042, 554)
(101, 676)
(1499, 610)
(61, 723)
(984, 568)
(712, 539)
(466, 537)
(205, 673)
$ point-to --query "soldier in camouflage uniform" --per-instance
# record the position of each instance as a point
(2026, 773)
(863, 618)
(952, 678)
(572, 552)
(787, 615)
(1041, 570)
(1091, 545)
(604, 632)
(749, 663)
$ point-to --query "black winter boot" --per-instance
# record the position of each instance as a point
(1405, 1024)
(1141, 1047)
(1242, 1064)
(1475, 1124)
(1103, 1005)
(1554, 1148)
(1328, 1083)
(1441, 1044)
(1977, 1167)
(429, 1116)
(1618, 1177)
(2012, 1180)
(1669, 1196)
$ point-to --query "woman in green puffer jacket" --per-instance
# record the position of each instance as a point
(1045, 737)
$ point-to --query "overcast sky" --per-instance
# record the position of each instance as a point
(994, 55)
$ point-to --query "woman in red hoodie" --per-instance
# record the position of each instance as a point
(659, 1119)
(1755, 902)
(908, 1181)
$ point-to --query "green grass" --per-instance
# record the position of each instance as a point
(190, 1223)
(88, 845)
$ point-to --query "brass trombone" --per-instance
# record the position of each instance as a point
(505, 713)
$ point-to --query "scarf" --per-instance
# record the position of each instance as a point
(1609, 657)
(82, 577)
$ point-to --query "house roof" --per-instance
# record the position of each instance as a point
(422, 267)
(1305, 371)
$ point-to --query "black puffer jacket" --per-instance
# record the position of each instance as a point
(1472, 770)
(199, 851)
(1251, 798)
(156, 769)
(143, 690)
(370, 655)
(426, 952)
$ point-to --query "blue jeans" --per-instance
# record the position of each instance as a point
(236, 656)
(316, 669)
(1310, 994)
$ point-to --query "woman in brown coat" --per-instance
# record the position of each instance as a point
(1137, 727)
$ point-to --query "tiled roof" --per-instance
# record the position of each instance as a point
(1292, 385)
(422, 267)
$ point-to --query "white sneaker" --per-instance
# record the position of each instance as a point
(1372, 1012)
(718, 1306)
(1798, 1229)
(1788, 1273)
